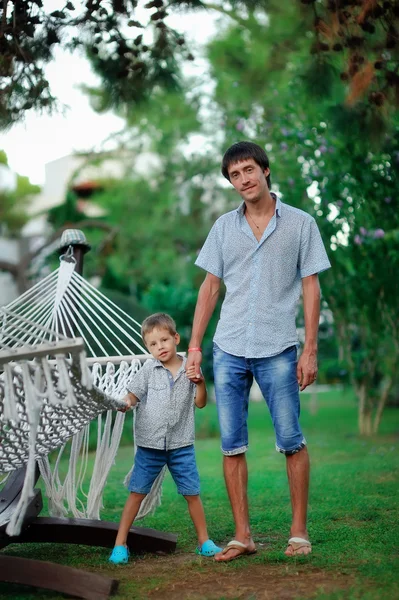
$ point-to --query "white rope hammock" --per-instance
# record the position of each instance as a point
(48, 396)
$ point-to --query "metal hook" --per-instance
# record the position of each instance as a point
(68, 256)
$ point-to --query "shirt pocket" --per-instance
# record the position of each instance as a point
(157, 393)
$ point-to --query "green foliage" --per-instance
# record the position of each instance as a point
(361, 37)
(130, 68)
(14, 203)
(319, 78)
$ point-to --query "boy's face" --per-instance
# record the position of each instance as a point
(162, 344)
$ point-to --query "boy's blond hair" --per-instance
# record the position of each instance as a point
(158, 320)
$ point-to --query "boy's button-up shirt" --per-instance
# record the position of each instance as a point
(262, 279)
(164, 417)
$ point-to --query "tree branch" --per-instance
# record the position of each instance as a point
(9, 267)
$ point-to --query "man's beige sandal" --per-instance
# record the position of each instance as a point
(236, 545)
(297, 543)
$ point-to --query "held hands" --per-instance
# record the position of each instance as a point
(193, 366)
(129, 400)
(306, 370)
(195, 375)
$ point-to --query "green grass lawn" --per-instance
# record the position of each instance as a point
(353, 511)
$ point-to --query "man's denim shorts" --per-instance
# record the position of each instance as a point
(276, 377)
(148, 463)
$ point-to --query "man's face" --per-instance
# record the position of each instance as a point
(248, 179)
(162, 344)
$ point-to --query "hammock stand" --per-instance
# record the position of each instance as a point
(58, 529)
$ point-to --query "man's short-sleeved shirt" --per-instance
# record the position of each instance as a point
(164, 417)
(262, 279)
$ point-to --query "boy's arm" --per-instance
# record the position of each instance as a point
(130, 400)
(201, 395)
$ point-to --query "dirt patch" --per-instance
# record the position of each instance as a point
(184, 577)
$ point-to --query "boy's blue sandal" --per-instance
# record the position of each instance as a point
(208, 548)
(119, 556)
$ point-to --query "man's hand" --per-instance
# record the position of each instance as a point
(193, 366)
(306, 370)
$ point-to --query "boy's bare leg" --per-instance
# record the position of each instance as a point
(197, 515)
(298, 469)
(236, 478)
(129, 513)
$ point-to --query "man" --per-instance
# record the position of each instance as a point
(266, 252)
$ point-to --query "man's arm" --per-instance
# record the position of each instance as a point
(307, 364)
(207, 297)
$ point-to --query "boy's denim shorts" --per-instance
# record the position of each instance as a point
(277, 379)
(148, 463)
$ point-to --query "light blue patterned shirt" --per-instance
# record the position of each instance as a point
(262, 279)
(165, 414)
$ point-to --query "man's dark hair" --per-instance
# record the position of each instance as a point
(242, 151)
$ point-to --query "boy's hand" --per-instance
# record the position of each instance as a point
(194, 376)
(129, 403)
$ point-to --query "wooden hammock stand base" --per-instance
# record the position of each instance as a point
(52, 576)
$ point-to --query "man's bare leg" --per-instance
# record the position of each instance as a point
(298, 469)
(236, 478)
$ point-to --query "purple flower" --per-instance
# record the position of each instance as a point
(301, 135)
(358, 240)
(323, 149)
(290, 181)
(388, 199)
(240, 125)
(284, 131)
(363, 231)
(379, 233)
(339, 203)
(284, 146)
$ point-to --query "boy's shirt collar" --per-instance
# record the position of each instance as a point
(157, 363)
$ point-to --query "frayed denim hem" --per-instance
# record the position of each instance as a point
(294, 451)
(240, 450)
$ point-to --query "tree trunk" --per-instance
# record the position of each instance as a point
(368, 430)
(361, 394)
(381, 403)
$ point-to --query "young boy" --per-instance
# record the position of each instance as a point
(164, 398)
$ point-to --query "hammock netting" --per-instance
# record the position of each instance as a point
(66, 355)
